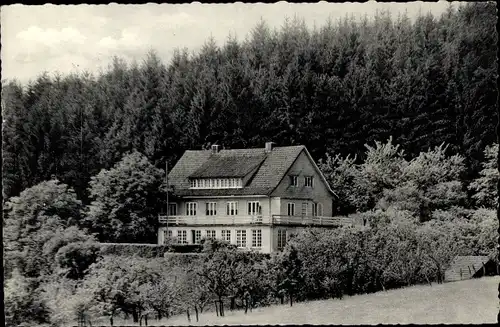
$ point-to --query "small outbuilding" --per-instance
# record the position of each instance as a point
(471, 266)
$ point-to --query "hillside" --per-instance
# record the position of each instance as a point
(471, 301)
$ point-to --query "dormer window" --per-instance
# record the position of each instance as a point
(294, 180)
(308, 181)
(216, 183)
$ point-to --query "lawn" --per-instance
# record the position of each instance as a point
(471, 301)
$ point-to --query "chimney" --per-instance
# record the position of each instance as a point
(215, 148)
(269, 146)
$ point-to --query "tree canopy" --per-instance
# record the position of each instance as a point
(334, 88)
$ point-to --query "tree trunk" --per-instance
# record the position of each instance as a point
(428, 280)
(111, 320)
(246, 305)
(135, 316)
(140, 321)
(196, 312)
(221, 307)
(282, 299)
(233, 305)
(188, 315)
(146, 320)
(381, 283)
(216, 308)
(291, 299)
(158, 315)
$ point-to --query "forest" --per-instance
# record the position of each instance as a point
(399, 114)
(333, 88)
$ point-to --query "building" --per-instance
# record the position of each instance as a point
(253, 198)
(470, 266)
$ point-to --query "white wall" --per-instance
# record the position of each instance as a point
(265, 230)
(221, 205)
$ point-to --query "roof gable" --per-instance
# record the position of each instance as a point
(315, 167)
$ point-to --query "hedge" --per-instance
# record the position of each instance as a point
(146, 250)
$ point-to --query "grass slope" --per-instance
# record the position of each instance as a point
(470, 301)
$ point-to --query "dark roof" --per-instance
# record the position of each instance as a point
(228, 164)
(195, 163)
(464, 267)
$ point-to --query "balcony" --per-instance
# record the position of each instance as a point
(256, 220)
(312, 220)
(213, 220)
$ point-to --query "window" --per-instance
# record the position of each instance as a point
(182, 236)
(226, 235)
(191, 208)
(308, 181)
(304, 208)
(172, 209)
(216, 183)
(281, 239)
(294, 180)
(232, 208)
(211, 234)
(256, 238)
(254, 208)
(167, 235)
(211, 208)
(197, 236)
(291, 209)
(241, 238)
(318, 209)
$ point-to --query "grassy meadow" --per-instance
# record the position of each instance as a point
(471, 301)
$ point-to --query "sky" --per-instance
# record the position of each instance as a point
(75, 38)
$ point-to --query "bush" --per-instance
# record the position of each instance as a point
(131, 249)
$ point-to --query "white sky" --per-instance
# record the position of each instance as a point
(69, 38)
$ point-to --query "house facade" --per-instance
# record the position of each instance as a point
(253, 198)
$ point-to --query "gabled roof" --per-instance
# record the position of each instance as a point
(270, 168)
(228, 164)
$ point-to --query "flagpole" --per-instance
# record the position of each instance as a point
(166, 180)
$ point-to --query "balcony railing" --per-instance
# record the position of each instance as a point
(312, 220)
(259, 219)
(213, 220)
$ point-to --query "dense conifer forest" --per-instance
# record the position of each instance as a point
(333, 88)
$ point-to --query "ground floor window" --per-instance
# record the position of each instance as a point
(211, 234)
(281, 239)
(197, 236)
(182, 236)
(226, 235)
(167, 235)
(256, 238)
(241, 238)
